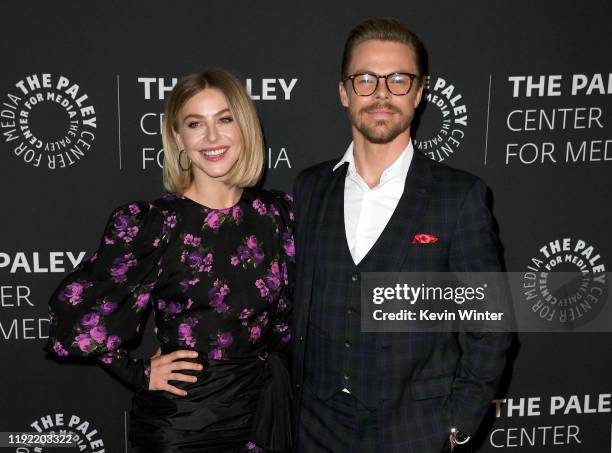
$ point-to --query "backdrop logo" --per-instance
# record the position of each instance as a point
(48, 121)
(566, 283)
(85, 436)
(444, 121)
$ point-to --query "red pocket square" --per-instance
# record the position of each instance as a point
(424, 238)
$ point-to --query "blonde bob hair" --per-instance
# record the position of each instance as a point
(248, 169)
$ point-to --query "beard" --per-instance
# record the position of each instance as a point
(382, 131)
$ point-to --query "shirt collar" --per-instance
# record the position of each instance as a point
(398, 169)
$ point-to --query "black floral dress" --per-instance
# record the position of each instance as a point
(219, 282)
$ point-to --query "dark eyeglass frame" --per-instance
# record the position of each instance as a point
(352, 77)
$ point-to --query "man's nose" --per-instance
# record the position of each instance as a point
(382, 92)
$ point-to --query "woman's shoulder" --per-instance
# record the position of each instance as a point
(157, 216)
(271, 195)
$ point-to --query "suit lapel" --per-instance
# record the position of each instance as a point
(321, 196)
(393, 244)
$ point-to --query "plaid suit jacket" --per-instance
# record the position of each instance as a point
(429, 381)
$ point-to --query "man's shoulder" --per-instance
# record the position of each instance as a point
(446, 176)
(316, 171)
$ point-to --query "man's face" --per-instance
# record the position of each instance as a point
(382, 116)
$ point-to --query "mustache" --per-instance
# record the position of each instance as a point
(380, 106)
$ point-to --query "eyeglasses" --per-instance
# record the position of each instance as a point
(366, 83)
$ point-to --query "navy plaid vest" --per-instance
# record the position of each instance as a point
(338, 354)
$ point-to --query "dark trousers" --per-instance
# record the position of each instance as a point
(341, 424)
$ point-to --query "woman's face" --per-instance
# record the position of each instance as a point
(206, 130)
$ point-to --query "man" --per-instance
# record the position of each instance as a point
(392, 392)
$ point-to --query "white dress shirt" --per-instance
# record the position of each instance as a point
(367, 210)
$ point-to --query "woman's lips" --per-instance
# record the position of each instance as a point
(214, 153)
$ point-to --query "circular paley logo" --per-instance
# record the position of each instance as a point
(52, 431)
(47, 120)
(443, 122)
(565, 284)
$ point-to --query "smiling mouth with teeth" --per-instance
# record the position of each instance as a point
(214, 154)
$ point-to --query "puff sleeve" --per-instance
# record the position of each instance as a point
(98, 308)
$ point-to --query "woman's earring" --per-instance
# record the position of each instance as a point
(179, 161)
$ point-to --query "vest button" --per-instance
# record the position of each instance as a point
(301, 339)
(346, 377)
(355, 277)
(349, 311)
(347, 344)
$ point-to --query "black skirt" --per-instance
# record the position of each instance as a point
(237, 405)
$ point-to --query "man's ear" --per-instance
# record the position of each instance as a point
(344, 99)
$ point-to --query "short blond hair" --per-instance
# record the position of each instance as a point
(249, 168)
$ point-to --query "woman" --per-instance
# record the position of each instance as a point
(213, 259)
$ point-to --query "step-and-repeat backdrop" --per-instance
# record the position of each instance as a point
(520, 94)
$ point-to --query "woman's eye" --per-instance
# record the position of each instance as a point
(193, 124)
(226, 119)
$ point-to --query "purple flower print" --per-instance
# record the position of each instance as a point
(217, 294)
(237, 213)
(248, 253)
(288, 244)
(73, 292)
(213, 220)
(156, 242)
(254, 333)
(263, 289)
(122, 222)
(59, 349)
(107, 358)
(284, 332)
(107, 307)
(253, 448)
(251, 242)
(195, 259)
(90, 320)
(169, 222)
(141, 301)
(124, 228)
(269, 286)
(84, 342)
(174, 308)
(113, 342)
(215, 354)
(185, 333)
(134, 209)
(225, 339)
(259, 206)
(192, 240)
(98, 334)
(185, 284)
(244, 315)
(120, 267)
